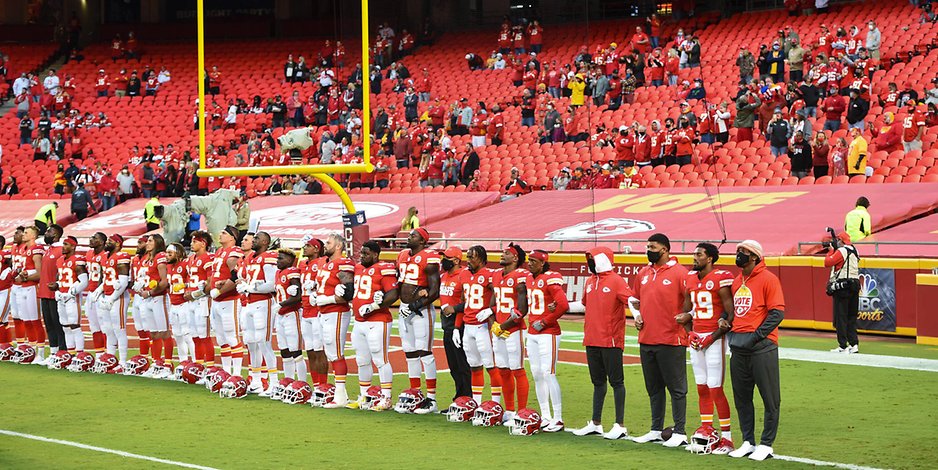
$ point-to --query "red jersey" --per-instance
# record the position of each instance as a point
(220, 271)
(329, 278)
(6, 277)
(109, 272)
(545, 289)
(705, 297)
(753, 297)
(506, 297)
(68, 271)
(661, 291)
(94, 263)
(380, 276)
(477, 291)
(198, 269)
(911, 124)
(285, 278)
(254, 272)
(412, 267)
(151, 268)
(28, 262)
(309, 271)
(177, 273)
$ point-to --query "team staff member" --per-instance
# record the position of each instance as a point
(44, 295)
(759, 307)
(659, 298)
(451, 290)
(604, 301)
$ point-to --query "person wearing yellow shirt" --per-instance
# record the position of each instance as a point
(577, 87)
(411, 221)
(857, 224)
(856, 154)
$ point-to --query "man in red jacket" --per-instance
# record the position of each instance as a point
(659, 298)
(604, 301)
(834, 107)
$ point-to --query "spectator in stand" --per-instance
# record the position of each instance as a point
(23, 103)
(133, 85)
(795, 61)
(777, 133)
(692, 47)
(672, 66)
(535, 36)
(857, 110)
(834, 107)
(125, 184)
(10, 188)
(838, 158)
(655, 66)
(600, 86)
(697, 92)
(931, 96)
(107, 190)
(577, 88)
(26, 127)
(475, 62)
(913, 126)
(811, 95)
(800, 153)
(820, 152)
(468, 165)
(41, 148)
(477, 183)
(873, 40)
(887, 138)
(776, 63)
(746, 105)
(515, 187)
(59, 183)
(629, 83)
(561, 181)
(856, 153)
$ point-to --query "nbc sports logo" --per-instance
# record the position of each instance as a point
(870, 301)
(868, 286)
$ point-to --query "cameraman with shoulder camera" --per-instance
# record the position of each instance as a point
(844, 288)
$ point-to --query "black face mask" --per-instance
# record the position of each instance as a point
(591, 265)
(49, 239)
(653, 256)
(447, 264)
(742, 259)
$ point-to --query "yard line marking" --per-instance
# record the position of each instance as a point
(581, 364)
(104, 450)
(865, 360)
(822, 463)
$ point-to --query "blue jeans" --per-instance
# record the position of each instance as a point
(706, 138)
(654, 42)
(811, 111)
(861, 124)
(554, 92)
(107, 202)
(779, 151)
(657, 82)
(832, 126)
(672, 80)
(527, 121)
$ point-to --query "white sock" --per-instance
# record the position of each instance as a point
(555, 398)
(122, 345)
(429, 370)
(300, 366)
(181, 347)
(543, 394)
(79, 339)
(190, 347)
(726, 435)
(267, 350)
(340, 393)
(386, 374)
(69, 341)
(289, 367)
(413, 367)
(110, 342)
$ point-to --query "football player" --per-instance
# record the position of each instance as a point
(312, 331)
(177, 270)
(419, 270)
(547, 302)
(707, 299)
(476, 340)
(93, 261)
(137, 274)
(26, 301)
(198, 270)
(510, 305)
(16, 265)
(451, 292)
(257, 287)
(154, 306)
(335, 288)
(286, 315)
(225, 302)
(71, 281)
(375, 292)
(115, 296)
(6, 282)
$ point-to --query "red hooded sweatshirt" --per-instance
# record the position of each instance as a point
(606, 298)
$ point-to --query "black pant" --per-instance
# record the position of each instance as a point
(796, 75)
(846, 307)
(664, 367)
(81, 215)
(50, 317)
(458, 365)
(760, 370)
(152, 226)
(605, 364)
(41, 226)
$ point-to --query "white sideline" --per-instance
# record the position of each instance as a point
(104, 450)
(822, 463)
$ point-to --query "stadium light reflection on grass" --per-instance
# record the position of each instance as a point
(320, 172)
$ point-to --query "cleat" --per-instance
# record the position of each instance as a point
(554, 426)
(427, 407)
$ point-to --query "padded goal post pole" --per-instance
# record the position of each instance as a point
(320, 172)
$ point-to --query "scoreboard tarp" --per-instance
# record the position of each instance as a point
(778, 217)
(919, 230)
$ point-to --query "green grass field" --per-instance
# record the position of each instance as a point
(866, 416)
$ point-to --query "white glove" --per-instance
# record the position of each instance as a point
(293, 290)
(200, 286)
(58, 296)
(484, 315)
(73, 292)
(340, 290)
(457, 339)
(96, 295)
(138, 285)
(366, 310)
(322, 300)
(537, 325)
(214, 293)
(405, 311)
(378, 297)
(275, 308)
(309, 287)
(105, 304)
(241, 287)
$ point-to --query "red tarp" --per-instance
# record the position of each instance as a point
(917, 231)
(23, 212)
(295, 216)
(778, 217)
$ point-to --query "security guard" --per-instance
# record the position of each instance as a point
(844, 289)
(150, 215)
(46, 217)
(857, 223)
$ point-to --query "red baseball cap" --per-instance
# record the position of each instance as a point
(423, 233)
(453, 252)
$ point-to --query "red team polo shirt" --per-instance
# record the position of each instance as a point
(451, 289)
(661, 291)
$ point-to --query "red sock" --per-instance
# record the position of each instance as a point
(522, 387)
(144, 337)
(168, 344)
(157, 350)
(199, 357)
(415, 382)
(508, 388)
(208, 351)
(495, 383)
(31, 334)
(5, 334)
(723, 407)
(340, 369)
(238, 352)
(19, 328)
(706, 404)
(478, 382)
(40, 332)
(98, 341)
(317, 378)
(431, 386)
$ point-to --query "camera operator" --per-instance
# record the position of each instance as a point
(844, 288)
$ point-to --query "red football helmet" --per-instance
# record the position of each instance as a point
(704, 439)
(61, 360)
(525, 423)
(83, 362)
(461, 410)
(105, 364)
(6, 352)
(138, 364)
(489, 413)
(215, 379)
(24, 354)
(279, 387)
(179, 369)
(409, 400)
(234, 387)
(297, 393)
(322, 394)
(193, 372)
(372, 396)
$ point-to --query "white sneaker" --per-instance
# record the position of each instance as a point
(255, 387)
(267, 393)
(588, 430)
(761, 453)
(745, 449)
(853, 349)
(336, 404)
(553, 426)
(617, 432)
(839, 350)
(652, 436)
(676, 440)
